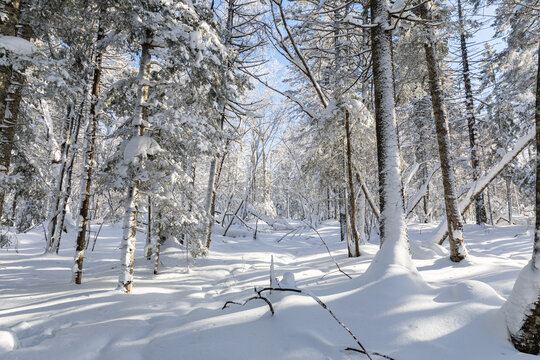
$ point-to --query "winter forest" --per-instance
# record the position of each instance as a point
(269, 179)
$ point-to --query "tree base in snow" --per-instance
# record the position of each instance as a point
(527, 340)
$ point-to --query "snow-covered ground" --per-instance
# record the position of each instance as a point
(445, 311)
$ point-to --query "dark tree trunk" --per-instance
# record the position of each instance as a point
(67, 191)
(11, 83)
(355, 252)
(481, 216)
(148, 246)
(455, 222)
(90, 138)
(508, 180)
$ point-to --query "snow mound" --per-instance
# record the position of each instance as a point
(8, 341)
(17, 45)
(470, 290)
(288, 281)
(392, 256)
(395, 280)
(525, 293)
(427, 250)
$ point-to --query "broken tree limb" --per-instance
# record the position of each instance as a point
(478, 187)
(415, 199)
(274, 223)
(232, 218)
(372, 204)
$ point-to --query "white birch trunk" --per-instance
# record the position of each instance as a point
(127, 247)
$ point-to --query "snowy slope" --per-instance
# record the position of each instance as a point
(444, 311)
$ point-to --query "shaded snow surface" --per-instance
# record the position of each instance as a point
(442, 311)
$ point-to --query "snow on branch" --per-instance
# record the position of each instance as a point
(415, 199)
(478, 186)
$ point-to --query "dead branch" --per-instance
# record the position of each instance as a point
(373, 353)
(319, 301)
(374, 207)
(258, 297)
(415, 199)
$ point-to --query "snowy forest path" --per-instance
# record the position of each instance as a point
(177, 314)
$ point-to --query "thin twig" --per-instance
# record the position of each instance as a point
(373, 352)
(327, 249)
(324, 306)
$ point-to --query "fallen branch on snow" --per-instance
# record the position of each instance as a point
(320, 302)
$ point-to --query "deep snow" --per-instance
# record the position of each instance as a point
(442, 311)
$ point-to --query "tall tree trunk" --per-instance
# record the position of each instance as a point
(89, 150)
(148, 246)
(524, 321)
(355, 250)
(160, 240)
(361, 216)
(508, 180)
(481, 216)
(455, 223)
(213, 180)
(11, 83)
(56, 192)
(393, 229)
(213, 177)
(343, 218)
(66, 193)
(127, 248)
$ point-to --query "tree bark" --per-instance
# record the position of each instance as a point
(393, 229)
(508, 180)
(148, 246)
(355, 250)
(127, 248)
(56, 192)
(11, 82)
(66, 193)
(455, 223)
(481, 216)
(90, 146)
(527, 338)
